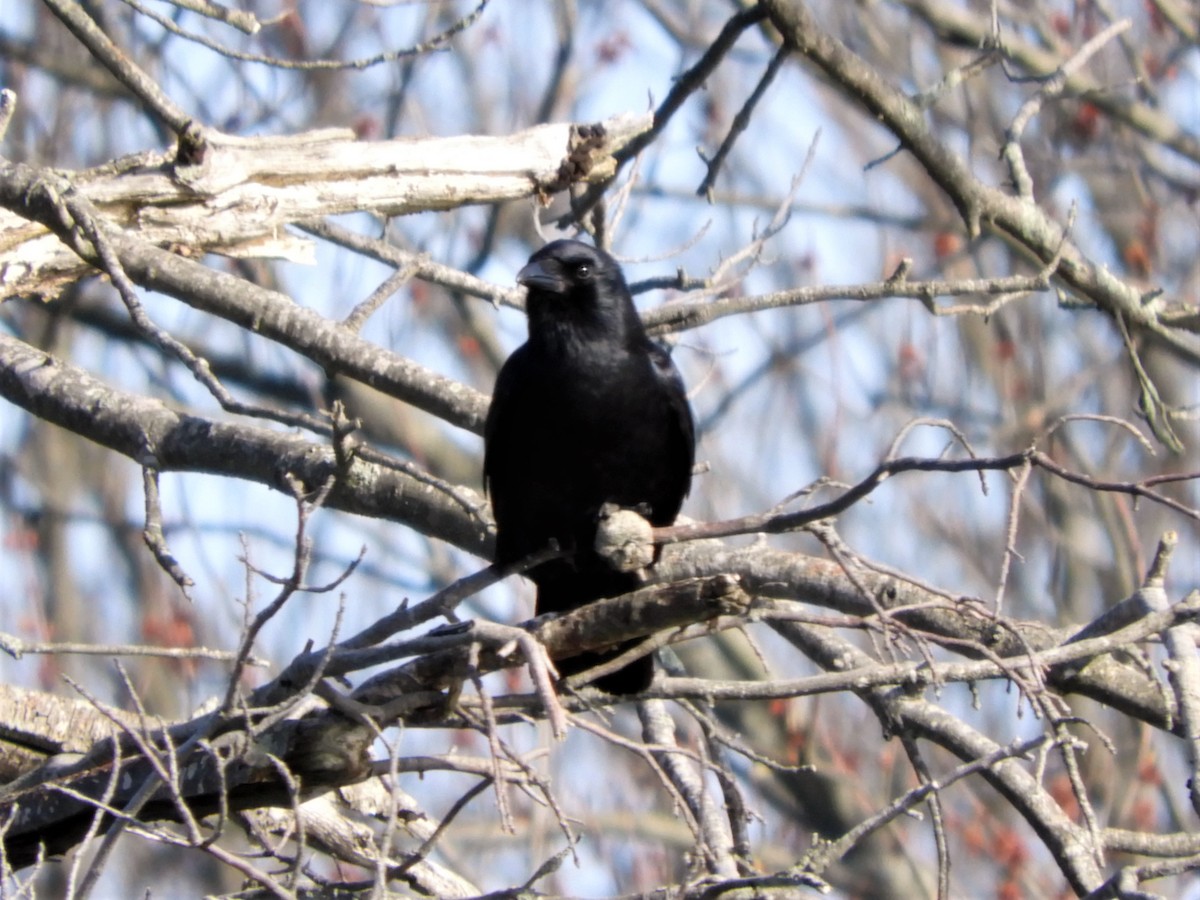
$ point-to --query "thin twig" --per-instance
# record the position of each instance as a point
(1010, 534)
(101, 46)
(741, 121)
(153, 533)
(1051, 88)
(683, 87)
(17, 647)
(433, 43)
(819, 858)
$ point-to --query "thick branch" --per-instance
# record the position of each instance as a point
(232, 771)
(242, 193)
(147, 430)
(337, 349)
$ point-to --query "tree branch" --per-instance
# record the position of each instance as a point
(241, 193)
(148, 431)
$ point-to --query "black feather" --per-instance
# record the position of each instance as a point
(588, 411)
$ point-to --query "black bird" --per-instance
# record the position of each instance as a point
(587, 411)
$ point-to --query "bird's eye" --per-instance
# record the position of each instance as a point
(583, 271)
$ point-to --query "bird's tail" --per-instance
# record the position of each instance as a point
(631, 679)
(577, 589)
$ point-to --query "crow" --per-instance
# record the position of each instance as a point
(588, 411)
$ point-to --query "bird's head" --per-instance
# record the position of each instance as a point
(576, 290)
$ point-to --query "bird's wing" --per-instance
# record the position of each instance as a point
(494, 431)
(672, 382)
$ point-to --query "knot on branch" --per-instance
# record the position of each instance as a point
(586, 148)
(192, 147)
(624, 539)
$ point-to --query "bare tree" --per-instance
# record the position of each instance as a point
(929, 625)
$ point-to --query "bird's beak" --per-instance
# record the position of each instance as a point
(536, 276)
